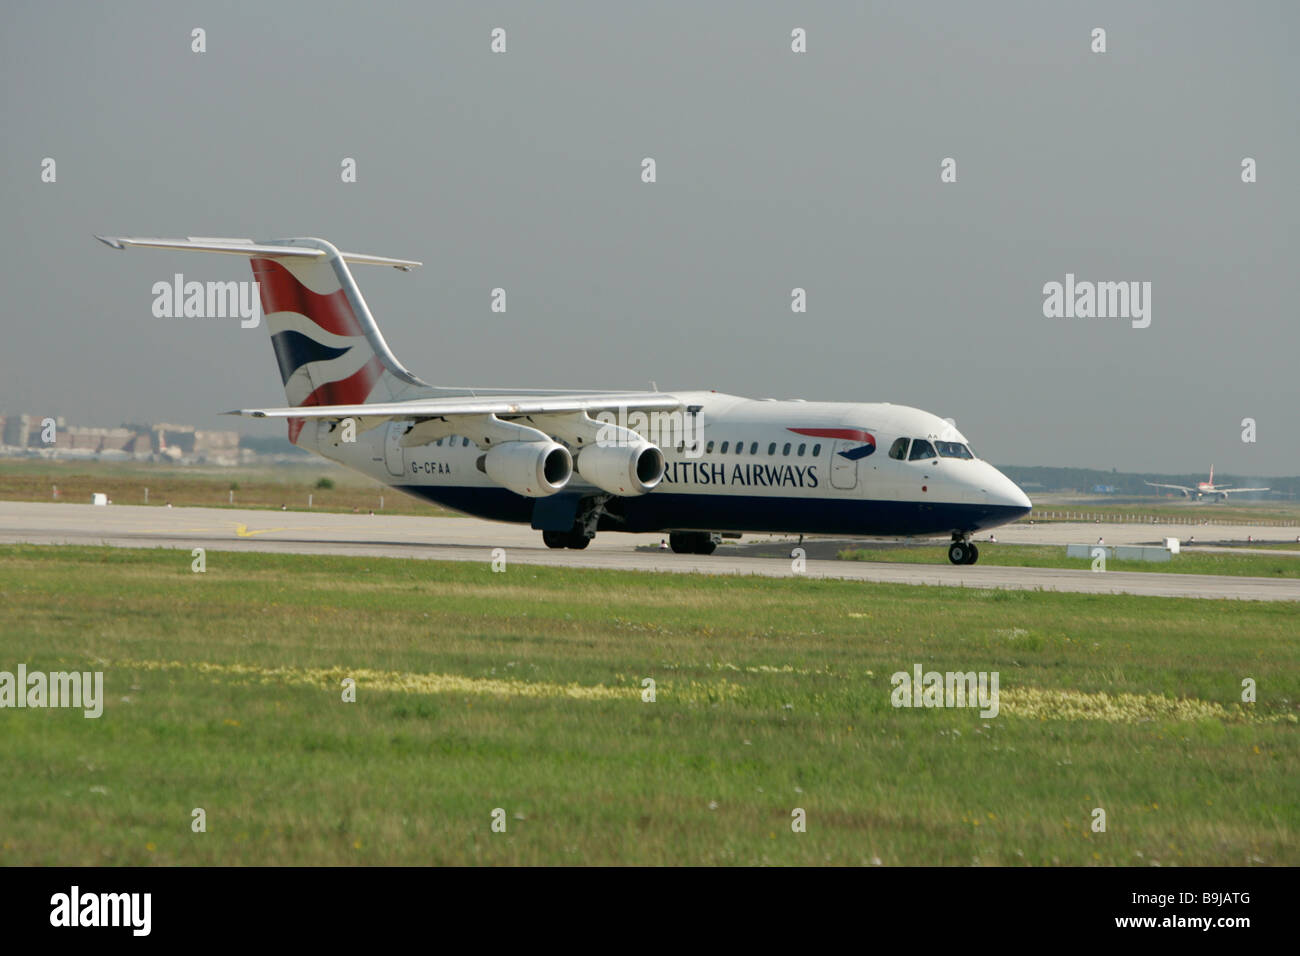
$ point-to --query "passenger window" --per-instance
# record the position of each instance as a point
(771, 449)
(801, 449)
(786, 450)
(753, 448)
(817, 449)
(723, 450)
(921, 449)
(898, 450)
(708, 449)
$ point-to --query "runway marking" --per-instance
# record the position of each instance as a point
(241, 530)
(171, 531)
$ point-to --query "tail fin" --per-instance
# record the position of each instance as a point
(1211, 475)
(327, 344)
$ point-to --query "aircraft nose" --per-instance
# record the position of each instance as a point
(1005, 493)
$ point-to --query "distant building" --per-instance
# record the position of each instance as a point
(18, 430)
(173, 440)
(176, 442)
(24, 431)
(85, 438)
(220, 448)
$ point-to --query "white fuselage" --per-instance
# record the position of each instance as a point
(744, 466)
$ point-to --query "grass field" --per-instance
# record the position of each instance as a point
(207, 487)
(1053, 556)
(522, 691)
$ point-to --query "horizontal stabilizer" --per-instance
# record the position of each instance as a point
(247, 247)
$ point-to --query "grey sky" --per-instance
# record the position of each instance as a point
(775, 170)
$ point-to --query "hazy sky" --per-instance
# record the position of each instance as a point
(775, 170)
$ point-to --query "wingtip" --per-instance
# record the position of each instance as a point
(112, 242)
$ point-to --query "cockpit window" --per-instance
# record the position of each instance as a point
(898, 450)
(921, 449)
(953, 449)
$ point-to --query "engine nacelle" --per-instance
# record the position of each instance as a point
(534, 469)
(622, 469)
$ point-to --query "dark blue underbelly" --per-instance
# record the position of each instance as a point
(662, 511)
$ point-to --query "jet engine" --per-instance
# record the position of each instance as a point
(630, 469)
(534, 469)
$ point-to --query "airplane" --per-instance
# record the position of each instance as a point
(1217, 492)
(699, 465)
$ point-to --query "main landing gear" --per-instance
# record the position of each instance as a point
(575, 539)
(584, 526)
(692, 542)
(962, 550)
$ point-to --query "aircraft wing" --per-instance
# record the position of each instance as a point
(490, 420)
(505, 406)
(1233, 491)
(1156, 484)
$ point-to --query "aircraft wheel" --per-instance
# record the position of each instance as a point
(578, 540)
(681, 543)
(555, 539)
(957, 552)
(705, 544)
(972, 554)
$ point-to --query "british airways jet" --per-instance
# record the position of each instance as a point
(698, 465)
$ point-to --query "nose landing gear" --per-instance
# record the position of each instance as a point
(962, 550)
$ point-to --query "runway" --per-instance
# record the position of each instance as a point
(468, 539)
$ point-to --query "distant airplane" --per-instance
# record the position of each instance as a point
(695, 464)
(1206, 488)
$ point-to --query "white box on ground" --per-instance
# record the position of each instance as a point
(1171, 545)
(1123, 552)
(98, 499)
(1088, 551)
(1138, 552)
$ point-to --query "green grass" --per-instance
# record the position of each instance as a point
(1053, 556)
(208, 486)
(521, 691)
